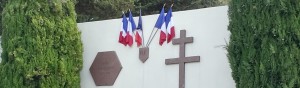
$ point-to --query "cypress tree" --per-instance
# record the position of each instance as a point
(41, 45)
(264, 47)
(2, 4)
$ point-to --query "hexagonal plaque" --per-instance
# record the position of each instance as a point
(105, 68)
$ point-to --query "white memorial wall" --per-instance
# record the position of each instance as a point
(208, 27)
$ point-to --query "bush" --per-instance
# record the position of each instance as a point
(264, 47)
(41, 45)
(2, 4)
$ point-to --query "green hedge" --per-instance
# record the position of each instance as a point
(2, 4)
(264, 47)
(41, 45)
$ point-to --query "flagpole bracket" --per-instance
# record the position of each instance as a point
(144, 54)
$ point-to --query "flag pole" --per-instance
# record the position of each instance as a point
(152, 37)
(148, 43)
(149, 37)
(132, 19)
(143, 44)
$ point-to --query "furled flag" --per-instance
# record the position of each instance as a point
(160, 24)
(139, 31)
(122, 36)
(170, 25)
(131, 28)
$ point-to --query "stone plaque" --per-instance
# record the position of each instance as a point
(143, 54)
(105, 68)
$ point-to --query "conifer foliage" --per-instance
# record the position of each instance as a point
(41, 45)
(264, 47)
(2, 4)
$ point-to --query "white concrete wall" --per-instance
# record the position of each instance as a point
(207, 26)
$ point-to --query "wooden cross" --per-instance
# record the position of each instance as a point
(182, 59)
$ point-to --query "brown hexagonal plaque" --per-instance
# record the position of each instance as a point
(105, 68)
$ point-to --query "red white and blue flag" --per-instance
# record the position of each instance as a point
(139, 31)
(170, 25)
(122, 36)
(160, 24)
(130, 29)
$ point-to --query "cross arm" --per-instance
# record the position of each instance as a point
(180, 40)
(171, 61)
(182, 60)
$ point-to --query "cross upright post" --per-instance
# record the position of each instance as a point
(182, 59)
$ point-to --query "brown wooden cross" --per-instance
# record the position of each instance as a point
(182, 59)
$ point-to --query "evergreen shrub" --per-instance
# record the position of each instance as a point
(264, 47)
(41, 44)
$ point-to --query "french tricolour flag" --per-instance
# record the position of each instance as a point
(130, 29)
(139, 31)
(170, 25)
(122, 36)
(160, 24)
